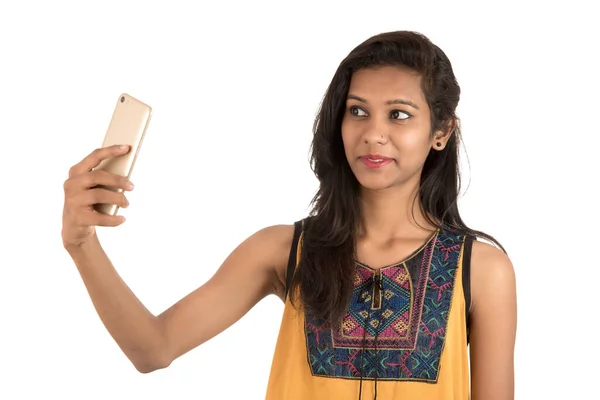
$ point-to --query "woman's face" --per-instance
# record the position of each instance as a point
(386, 127)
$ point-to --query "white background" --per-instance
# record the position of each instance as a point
(234, 87)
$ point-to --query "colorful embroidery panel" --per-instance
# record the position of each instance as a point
(401, 334)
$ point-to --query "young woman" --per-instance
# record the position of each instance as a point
(387, 292)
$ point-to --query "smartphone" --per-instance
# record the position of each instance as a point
(128, 125)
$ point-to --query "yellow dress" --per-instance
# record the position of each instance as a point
(404, 336)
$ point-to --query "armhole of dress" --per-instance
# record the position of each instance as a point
(291, 267)
(466, 279)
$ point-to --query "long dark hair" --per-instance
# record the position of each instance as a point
(325, 271)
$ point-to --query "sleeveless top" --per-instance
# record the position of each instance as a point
(404, 336)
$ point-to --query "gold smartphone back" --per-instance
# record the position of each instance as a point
(128, 126)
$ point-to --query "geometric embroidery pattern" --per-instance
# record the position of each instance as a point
(395, 329)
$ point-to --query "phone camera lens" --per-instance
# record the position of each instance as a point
(123, 99)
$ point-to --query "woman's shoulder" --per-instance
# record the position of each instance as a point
(489, 260)
(492, 273)
(275, 242)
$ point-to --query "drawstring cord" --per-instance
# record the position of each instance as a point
(364, 341)
(378, 280)
(374, 280)
(361, 357)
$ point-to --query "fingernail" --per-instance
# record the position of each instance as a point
(123, 147)
(129, 185)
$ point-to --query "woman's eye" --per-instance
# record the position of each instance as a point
(357, 111)
(400, 115)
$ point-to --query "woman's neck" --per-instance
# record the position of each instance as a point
(392, 213)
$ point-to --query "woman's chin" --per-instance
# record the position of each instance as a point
(376, 183)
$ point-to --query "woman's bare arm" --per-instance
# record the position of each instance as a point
(493, 323)
(251, 272)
